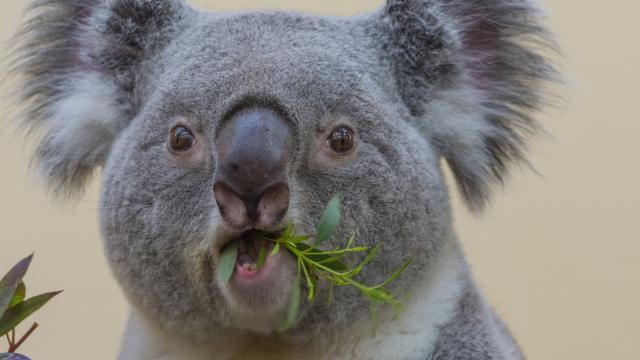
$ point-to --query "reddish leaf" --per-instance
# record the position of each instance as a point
(9, 284)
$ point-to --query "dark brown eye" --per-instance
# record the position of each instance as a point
(180, 139)
(341, 140)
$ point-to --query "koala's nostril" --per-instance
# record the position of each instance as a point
(232, 207)
(272, 207)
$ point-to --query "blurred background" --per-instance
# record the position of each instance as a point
(556, 254)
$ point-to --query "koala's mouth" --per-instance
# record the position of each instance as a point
(249, 247)
(256, 296)
(252, 246)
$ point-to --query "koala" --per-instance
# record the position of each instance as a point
(210, 127)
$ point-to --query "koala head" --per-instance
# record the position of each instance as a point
(211, 126)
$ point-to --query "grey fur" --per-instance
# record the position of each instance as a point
(63, 38)
(497, 48)
(475, 333)
(418, 80)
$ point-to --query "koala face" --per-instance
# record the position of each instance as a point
(211, 127)
(273, 110)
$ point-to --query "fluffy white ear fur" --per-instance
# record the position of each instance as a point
(79, 132)
(461, 139)
(475, 71)
(79, 66)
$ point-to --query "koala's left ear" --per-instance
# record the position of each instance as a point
(471, 72)
(79, 62)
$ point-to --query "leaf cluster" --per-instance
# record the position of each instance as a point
(15, 307)
(331, 265)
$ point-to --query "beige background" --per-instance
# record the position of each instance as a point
(557, 254)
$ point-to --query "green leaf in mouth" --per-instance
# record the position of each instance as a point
(329, 221)
(294, 304)
(261, 255)
(275, 249)
(227, 262)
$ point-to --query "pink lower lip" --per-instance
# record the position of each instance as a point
(251, 274)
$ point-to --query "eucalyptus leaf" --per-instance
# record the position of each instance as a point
(18, 296)
(227, 262)
(396, 274)
(275, 249)
(298, 239)
(261, 256)
(10, 282)
(329, 221)
(294, 305)
(325, 259)
(21, 311)
(332, 263)
(372, 255)
(379, 294)
(311, 283)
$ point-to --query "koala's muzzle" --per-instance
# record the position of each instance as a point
(250, 183)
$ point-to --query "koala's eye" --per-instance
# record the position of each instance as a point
(180, 139)
(341, 140)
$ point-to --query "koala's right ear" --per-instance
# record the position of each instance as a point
(78, 62)
(473, 74)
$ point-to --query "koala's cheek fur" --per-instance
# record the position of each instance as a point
(157, 224)
(393, 194)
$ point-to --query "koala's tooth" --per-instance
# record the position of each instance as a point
(249, 266)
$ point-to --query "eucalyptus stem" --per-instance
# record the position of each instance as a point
(15, 345)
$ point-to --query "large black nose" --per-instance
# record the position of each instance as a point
(250, 184)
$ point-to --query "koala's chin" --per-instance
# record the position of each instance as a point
(258, 299)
